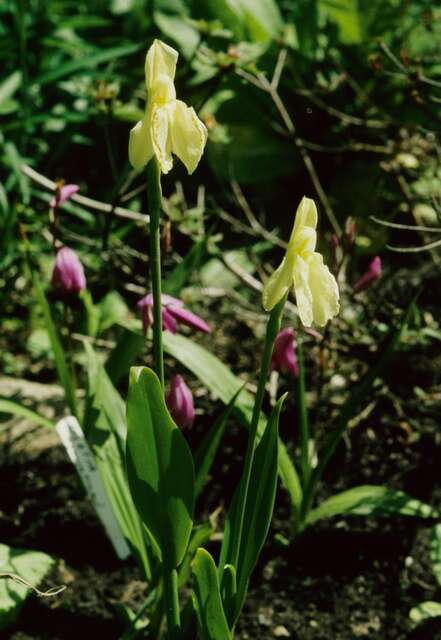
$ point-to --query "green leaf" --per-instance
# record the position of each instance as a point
(87, 62)
(16, 409)
(212, 622)
(32, 566)
(224, 384)
(124, 355)
(229, 592)
(206, 451)
(435, 551)
(258, 509)
(180, 275)
(173, 18)
(425, 611)
(105, 429)
(348, 17)
(248, 20)
(371, 500)
(9, 86)
(57, 348)
(200, 535)
(159, 466)
(242, 145)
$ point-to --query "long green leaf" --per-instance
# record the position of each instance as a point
(105, 429)
(224, 384)
(258, 510)
(212, 622)
(425, 611)
(87, 62)
(124, 355)
(371, 500)
(206, 451)
(16, 409)
(57, 349)
(159, 466)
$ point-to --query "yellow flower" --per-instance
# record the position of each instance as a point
(315, 287)
(168, 126)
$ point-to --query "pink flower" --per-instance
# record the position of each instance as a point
(173, 312)
(284, 355)
(63, 194)
(373, 273)
(180, 402)
(68, 273)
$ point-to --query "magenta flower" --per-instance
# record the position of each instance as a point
(373, 273)
(173, 312)
(68, 273)
(284, 354)
(63, 194)
(180, 402)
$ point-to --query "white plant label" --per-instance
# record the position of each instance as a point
(82, 458)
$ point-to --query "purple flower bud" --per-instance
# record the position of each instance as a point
(284, 355)
(63, 194)
(180, 402)
(373, 273)
(173, 312)
(68, 273)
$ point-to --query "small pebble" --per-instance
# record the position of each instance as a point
(281, 632)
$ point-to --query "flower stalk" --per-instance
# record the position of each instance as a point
(154, 196)
(272, 329)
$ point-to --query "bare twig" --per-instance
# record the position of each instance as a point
(425, 247)
(253, 221)
(262, 83)
(406, 227)
(54, 591)
(83, 200)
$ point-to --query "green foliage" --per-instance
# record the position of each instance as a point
(258, 509)
(159, 467)
(371, 500)
(31, 566)
(212, 623)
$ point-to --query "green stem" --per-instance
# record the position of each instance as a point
(303, 417)
(172, 603)
(154, 197)
(272, 330)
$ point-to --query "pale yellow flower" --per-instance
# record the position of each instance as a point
(315, 287)
(168, 126)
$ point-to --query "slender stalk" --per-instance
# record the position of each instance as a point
(172, 603)
(272, 330)
(154, 197)
(303, 417)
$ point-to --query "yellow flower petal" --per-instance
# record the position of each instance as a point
(303, 291)
(160, 61)
(140, 144)
(306, 215)
(278, 283)
(161, 138)
(324, 289)
(188, 135)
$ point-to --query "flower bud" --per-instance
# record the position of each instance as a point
(173, 312)
(63, 193)
(68, 273)
(373, 273)
(180, 402)
(284, 356)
